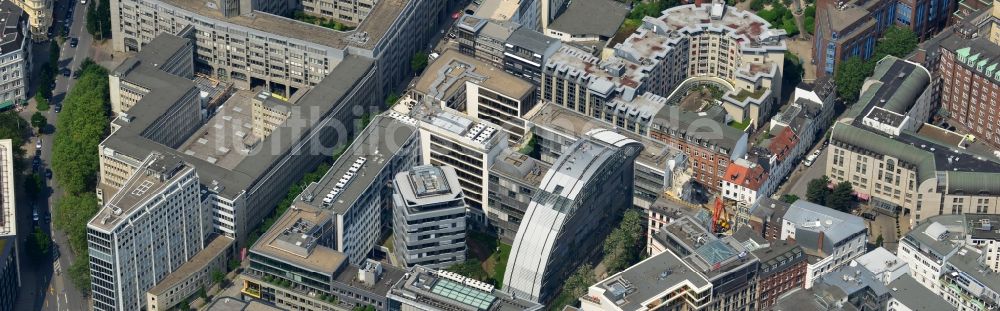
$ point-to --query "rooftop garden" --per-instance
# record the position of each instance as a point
(744, 94)
(740, 125)
(321, 21)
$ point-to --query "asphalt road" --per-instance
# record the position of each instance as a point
(798, 181)
(45, 285)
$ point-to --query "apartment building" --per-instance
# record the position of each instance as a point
(39, 17)
(885, 150)
(706, 140)
(587, 187)
(660, 168)
(146, 231)
(424, 288)
(578, 24)
(293, 266)
(969, 84)
(250, 44)
(356, 189)
(428, 217)
(169, 59)
(782, 269)
(831, 237)
(514, 180)
(883, 264)
(526, 13)
(482, 91)
(471, 146)
(10, 263)
(766, 218)
(15, 55)
(742, 181)
(697, 270)
(689, 44)
(946, 255)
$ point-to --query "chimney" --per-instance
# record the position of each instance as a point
(819, 243)
(697, 3)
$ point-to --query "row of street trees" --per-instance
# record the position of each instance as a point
(83, 124)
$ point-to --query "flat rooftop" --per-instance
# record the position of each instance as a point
(236, 304)
(222, 139)
(452, 291)
(579, 18)
(701, 250)
(967, 261)
(12, 35)
(211, 251)
(649, 279)
(498, 10)
(983, 226)
(447, 74)
(282, 241)
(153, 176)
(520, 167)
(390, 275)
(364, 159)
(373, 27)
(423, 187)
(753, 29)
(457, 123)
(323, 100)
(915, 296)
(570, 123)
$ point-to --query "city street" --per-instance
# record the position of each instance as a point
(798, 180)
(45, 285)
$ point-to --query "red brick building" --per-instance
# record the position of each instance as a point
(970, 86)
(709, 143)
(782, 268)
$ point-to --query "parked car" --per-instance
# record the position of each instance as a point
(65, 72)
(73, 42)
(38, 144)
(34, 214)
(58, 108)
(48, 173)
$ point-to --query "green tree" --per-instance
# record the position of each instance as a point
(218, 277)
(841, 198)
(34, 185)
(789, 198)
(40, 244)
(38, 120)
(879, 240)
(470, 268)
(850, 76)
(809, 21)
(574, 287)
(13, 127)
(418, 62)
(817, 190)
(99, 19)
(623, 246)
(896, 41)
(83, 124)
(79, 273)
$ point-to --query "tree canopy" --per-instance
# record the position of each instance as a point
(82, 125)
(850, 76)
(623, 246)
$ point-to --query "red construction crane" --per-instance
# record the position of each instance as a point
(720, 220)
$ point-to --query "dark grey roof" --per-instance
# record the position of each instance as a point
(709, 125)
(533, 41)
(818, 298)
(591, 17)
(320, 101)
(12, 20)
(967, 261)
(915, 296)
(897, 86)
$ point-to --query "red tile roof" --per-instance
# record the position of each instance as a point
(782, 144)
(747, 177)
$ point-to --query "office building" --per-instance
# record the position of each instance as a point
(514, 180)
(293, 266)
(483, 38)
(484, 92)
(146, 231)
(831, 237)
(15, 55)
(954, 257)
(427, 289)
(526, 52)
(525, 13)
(39, 17)
(891, 157)
(578, 24)
(667, 209)
(10, 263)
(697, 270)
(428, 217)
(250, 44)
(235, 164)
(846, 29)
(471, 146)
(660, 168)
(563, 225)
(193, 276)
(883, 264)
(168, 60)
(969, 84)
(355, 190)
(908, 295)
(766, 218)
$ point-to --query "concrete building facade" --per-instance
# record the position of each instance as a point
(514, 180)
(10, 262)
(146, 231)
(831, 237)
(429, 217)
